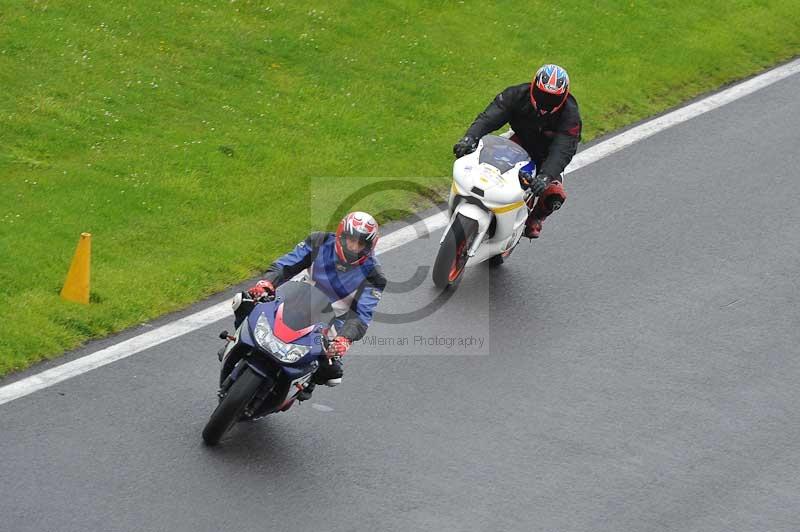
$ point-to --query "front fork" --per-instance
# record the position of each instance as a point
(473, 212)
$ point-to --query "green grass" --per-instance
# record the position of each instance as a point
(166, 129)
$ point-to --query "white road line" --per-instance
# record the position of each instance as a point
(709, 103)
(391, 241)
(213, 314)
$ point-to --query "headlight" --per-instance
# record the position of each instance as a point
(283, 351)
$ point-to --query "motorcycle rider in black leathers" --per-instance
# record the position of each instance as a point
(546, 122)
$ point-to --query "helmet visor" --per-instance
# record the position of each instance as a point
(355, 243)
(546, 102)
(355, 246)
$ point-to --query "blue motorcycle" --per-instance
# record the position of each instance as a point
(278, 345)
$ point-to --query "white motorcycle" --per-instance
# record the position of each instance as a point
(488, 208)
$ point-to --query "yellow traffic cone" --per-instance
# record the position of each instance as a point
(76, 287)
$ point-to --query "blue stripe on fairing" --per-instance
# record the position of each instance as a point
(530, 168)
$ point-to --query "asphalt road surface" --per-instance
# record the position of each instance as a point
(639, 371)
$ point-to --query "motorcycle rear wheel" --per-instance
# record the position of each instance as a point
(232, 406)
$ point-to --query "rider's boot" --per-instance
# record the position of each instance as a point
(329, 373)
(533, 226)
(550, 200)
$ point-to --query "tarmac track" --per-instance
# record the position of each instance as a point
(639, 371)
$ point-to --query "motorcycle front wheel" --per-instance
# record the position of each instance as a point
(452, 257)
(232, 406)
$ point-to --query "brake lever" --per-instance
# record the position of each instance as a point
(266, 298)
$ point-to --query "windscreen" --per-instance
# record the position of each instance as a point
(304, 305)
(502, 153)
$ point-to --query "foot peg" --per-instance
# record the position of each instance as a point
(305, 393)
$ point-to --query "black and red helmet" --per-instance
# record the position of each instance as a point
(361, 226)
(549, 89)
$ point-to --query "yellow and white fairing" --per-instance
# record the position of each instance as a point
(486, 187)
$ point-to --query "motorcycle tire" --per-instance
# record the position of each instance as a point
(232, 406)
(452, 257)
(496, 261)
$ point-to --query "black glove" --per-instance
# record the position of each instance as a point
(536, 184)
(540, 182)
(465, 146)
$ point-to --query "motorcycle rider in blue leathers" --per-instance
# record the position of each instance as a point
(343, 265)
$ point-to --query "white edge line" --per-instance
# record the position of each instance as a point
(220, 311)
(656, 125)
